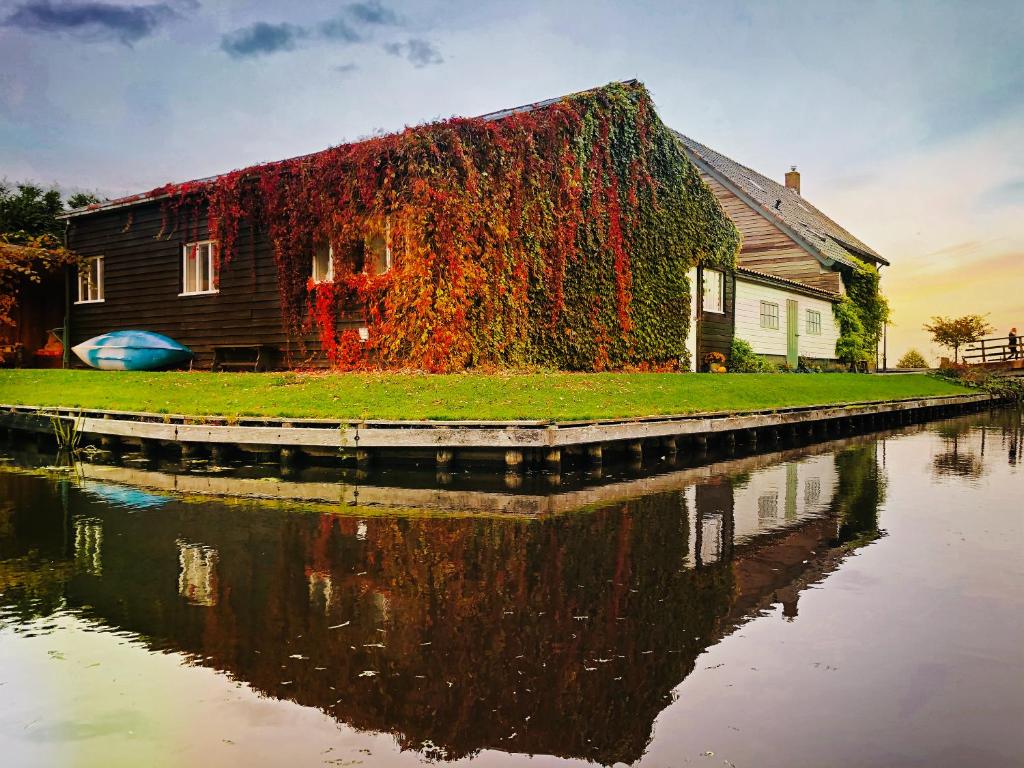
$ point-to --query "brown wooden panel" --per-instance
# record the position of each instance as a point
(142, 282)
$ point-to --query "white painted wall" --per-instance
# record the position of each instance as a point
(768, 341)
(691, 332)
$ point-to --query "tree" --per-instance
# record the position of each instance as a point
(29, 211)
(954, 332)
(31, 240)
(913, 359)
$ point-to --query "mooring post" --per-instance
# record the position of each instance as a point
(636, 449)
(191, 450)
(668, 444)
(513, 459)
(444, 457)
(364, 457)
(219, 453)
(595, 454)
(553, 459)
(110, 442)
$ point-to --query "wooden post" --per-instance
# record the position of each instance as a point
(513, 459)
(553, 459)
(595, 454)
(444, 457)
(363, 457)
(636, 449)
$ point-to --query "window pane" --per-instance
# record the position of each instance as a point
(211, 270)
(713, 286)
(322, 267)
(377, 257)
(203, 268)
(98, 279)
(191, 257)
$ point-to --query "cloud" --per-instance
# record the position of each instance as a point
(346, 68)
(95, 20)
(373, 12)
(419, 52)
(261, 38)
(338, 29)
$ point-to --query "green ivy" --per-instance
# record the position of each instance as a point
(861, 314)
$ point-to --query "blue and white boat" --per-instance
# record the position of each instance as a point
(131, 351)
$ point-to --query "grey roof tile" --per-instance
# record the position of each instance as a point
(816, 229)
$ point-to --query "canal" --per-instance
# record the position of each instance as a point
(852, 603)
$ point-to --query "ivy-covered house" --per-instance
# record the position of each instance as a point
(565, 234)
(804, 287)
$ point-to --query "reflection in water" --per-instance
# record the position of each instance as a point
(562, 635)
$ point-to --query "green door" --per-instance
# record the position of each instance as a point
(792, 334)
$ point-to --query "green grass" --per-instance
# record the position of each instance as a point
(555, 396)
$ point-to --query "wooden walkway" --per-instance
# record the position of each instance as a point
(515, 443)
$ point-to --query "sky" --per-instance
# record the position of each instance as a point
(906, 119)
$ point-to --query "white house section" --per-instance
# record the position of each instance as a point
(761, 320)
(691, 331)
(780, 496)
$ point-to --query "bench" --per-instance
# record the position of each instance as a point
(243, 357)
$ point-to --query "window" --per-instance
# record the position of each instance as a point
(323, 263)
(199, 270)
(769, 315)
(813, 322)
(812, 491)
(768, 506)
(714, 291)
(90, 280)
(377, 252)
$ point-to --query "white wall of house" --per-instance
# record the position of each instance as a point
(691, 333)
(772, 341)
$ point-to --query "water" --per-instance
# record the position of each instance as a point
(849, 604)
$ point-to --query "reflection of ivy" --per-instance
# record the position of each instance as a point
(860, 492)
(560, 236)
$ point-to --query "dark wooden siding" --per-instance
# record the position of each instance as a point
(143, 280)
(715, 329)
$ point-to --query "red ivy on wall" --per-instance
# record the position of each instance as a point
(558, 236)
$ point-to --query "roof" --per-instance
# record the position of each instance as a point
(160, 192)
(788, 284)
(784, 206)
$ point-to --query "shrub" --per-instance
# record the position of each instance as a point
(913, 359)
(743, 359)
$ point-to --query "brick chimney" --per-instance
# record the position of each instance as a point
(793, 179)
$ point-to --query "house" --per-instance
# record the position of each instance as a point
(794, 264)
(559, 234)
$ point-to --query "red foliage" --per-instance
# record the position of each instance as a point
(482, 218)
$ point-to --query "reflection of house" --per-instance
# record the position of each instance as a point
(783, 494)
(197, 575)
(453, 613)
(89, 545)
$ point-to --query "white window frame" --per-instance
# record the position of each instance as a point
(771, 316)
(813, 329)
(329, 277)
(718, 305)
(85, 281)
(211, 267)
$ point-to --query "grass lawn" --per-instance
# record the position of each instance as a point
(556, 396)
